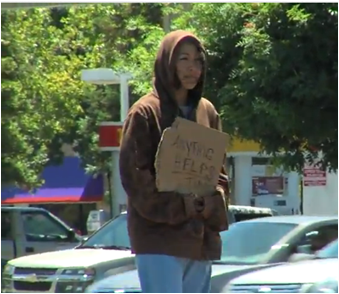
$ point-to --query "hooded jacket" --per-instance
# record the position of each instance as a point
(168, 222)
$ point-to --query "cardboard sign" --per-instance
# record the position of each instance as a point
(189, 158)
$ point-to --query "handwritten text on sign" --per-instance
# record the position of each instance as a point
(189, 158)
(193, 161)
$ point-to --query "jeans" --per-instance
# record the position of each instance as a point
(169, 274)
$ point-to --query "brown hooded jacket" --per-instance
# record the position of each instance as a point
(167, 222)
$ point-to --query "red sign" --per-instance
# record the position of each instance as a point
(110, 136)
(314, 176)
(267, 186)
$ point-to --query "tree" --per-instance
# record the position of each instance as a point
(45, 104)
(273, 68)
(36, 105)
(105, 36)
(272, 74)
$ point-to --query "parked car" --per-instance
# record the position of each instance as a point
(30, 230)
(325, 286)
(3, 264)
(247, 246)
(106, 252)
(317, 275)
(237, 213)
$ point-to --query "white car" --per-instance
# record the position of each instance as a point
(248, 246)
(318, 275)
(31, 230)
(105, 253)
(70, 271)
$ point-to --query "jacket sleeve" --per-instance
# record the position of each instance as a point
(136, 164)
(218, 202)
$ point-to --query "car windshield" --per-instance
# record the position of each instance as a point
(113, 235)
(243, 243)
(330, 251)
(249, 242)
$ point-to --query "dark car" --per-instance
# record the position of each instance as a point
(247, 246)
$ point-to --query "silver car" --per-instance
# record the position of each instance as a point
(317, 275)
(247, 246)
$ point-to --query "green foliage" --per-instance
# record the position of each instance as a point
(114, 36)
(37, 92)
(45, 104)
(273, 72)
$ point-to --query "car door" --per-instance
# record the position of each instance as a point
(316, 238)
(7, 239)
(43, 233)
(300, 240)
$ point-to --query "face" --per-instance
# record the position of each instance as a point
(189, 65)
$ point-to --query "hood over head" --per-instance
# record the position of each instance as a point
(165, 79)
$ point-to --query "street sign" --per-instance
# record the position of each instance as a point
(110, 136)
(314, 176)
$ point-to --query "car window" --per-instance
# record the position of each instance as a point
(316, 239)
(249, 242)
(6, 225)
(115, 233)
(329, 251)
(40, 226)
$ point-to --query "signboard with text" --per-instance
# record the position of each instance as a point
(314, 176)
(267, 186)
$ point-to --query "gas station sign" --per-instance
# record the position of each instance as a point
(110, 134)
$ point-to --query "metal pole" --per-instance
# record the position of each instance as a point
(124, 99)
(119, 196)
(107, 76)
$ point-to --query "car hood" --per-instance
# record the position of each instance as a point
(304, 272)
(130, 280)
(70, 258)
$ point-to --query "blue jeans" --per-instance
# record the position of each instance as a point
(169, 274)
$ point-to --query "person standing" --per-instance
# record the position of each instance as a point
(174, 236)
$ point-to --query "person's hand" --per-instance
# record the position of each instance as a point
(194, 205)
(210, 202)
